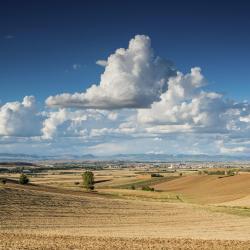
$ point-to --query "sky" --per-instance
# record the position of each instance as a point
(113, 77)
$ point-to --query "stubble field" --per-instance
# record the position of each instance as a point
(55, 216)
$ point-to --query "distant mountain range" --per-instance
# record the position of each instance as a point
(125, 157)
(33, 157)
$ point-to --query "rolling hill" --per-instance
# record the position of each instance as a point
(208, 189)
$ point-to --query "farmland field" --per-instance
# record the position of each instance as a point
(210, 189)
(53, 212)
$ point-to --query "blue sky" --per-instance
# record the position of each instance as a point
(51, 47)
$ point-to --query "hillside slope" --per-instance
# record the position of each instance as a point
(209, 189)
(35, 217)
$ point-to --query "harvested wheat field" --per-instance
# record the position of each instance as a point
(37, 241)
(209, 189)
(245, 201)
(40, 217)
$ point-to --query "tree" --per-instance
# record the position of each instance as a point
(88, 180)
(23, 179)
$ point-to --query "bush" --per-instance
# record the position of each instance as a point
(3, 181)
(147, 188)
(133, 187)
(23, 179)
(230, 172)
(178, 198)
(156, 175)
(77, 182)
(180, 174)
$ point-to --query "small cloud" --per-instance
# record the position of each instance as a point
(102, 63)
(8, 37)
(157, 139)
(155, 152)
(76, 66)
(112, 116)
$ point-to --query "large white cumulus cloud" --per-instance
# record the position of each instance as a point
(133, 78)
(20, 118)
(186, 104)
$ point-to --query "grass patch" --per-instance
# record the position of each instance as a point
(141, 195)
(235, 210)
(150, 182)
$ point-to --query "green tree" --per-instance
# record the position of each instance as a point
(23, 179)
(88, 180)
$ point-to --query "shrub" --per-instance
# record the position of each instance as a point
(180, 174)
(133, 187)
(23, 179)
(88, 180)
(230, 172)
(77, 182)
(178, 198)
(156, 175)
(3, 181)
(147, 188)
